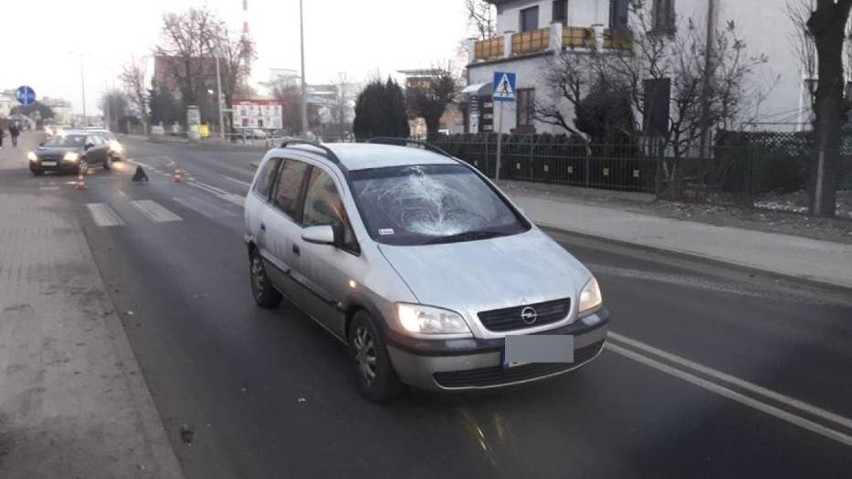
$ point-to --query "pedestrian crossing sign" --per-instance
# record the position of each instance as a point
(504, 86)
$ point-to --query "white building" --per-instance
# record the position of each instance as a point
(7, 102)
(529, 32)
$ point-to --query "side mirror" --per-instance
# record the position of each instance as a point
(89, 145)
(319, 235)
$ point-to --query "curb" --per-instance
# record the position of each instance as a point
(804, 280)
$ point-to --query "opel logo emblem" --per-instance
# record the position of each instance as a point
(528, 315)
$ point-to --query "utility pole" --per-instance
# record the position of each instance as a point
(219, 94)
(83, 88)
(708, 78)
(304, 102)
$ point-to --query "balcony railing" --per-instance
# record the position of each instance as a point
(622, 40)
(555, 37)
(489, 49)
(531, 42)
(578, 37)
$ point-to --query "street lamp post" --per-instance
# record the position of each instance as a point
(219, 97)
(83, 88)
(304, 102)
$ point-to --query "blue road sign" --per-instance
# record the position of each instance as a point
(504, 86)
(26, 95)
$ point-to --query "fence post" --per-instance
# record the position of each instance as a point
(589, 153)
(485, 160)
(530, 165)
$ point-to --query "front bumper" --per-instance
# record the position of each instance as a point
(464, 364)
(59, 165)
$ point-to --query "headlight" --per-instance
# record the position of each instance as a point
(71, 156)
(419, 319)
(116, 146)
(590, 298)
(32, 156)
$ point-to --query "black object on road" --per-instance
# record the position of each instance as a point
(140, 175)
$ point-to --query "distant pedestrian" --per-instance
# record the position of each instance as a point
(14, 131)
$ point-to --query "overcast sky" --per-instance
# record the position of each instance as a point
(42, 40)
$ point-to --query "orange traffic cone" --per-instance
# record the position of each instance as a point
(81, 181)
(178, 176)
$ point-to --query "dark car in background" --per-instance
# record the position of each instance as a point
(116, 149)
(71, 152)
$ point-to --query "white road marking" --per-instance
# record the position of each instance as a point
(734, 396)
(204, 208)
(239, 182)
(220, 193)
(155, 212)
(48, 187)
(104, 215)
(761, 391)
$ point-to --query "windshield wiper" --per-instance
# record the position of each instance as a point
(466, 236)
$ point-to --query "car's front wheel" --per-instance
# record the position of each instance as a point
(108, 163)
(374, 374)
(265, 295)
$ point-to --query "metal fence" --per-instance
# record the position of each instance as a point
(557, 160)
(741, 168)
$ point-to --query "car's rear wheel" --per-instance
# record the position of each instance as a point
(374, 374)
(264, 293)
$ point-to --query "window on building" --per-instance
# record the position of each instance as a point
(663, 16)
(618, 14)
(526, 107)
(560, 11)
(529, 19)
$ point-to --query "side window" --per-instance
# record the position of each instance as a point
(288, 188)
(324, 207)
(265, 177)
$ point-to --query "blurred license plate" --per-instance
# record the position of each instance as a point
(538, 349)
(48, 163)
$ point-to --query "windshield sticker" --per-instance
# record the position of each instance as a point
(385, 231)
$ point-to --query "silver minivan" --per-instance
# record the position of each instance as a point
(420, 265)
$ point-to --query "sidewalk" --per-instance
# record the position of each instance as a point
(812, 260)
(73, 402)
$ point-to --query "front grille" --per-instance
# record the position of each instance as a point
(509, 319)
(496, 376)
(50, 157)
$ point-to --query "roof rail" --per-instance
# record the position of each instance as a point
(325, 150)
(387, 140)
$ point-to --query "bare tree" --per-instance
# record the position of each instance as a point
(481, 19)
(188, 40)
(430, 100)
(133, 78)
(234, 52)
(678, 57)
(802, 42)
(342, 107)
(828, 23)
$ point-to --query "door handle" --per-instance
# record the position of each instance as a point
(296, 250)
(263, 227)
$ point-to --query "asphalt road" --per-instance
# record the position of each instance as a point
(708, 372)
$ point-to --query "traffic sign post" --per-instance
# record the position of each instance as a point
(504, 90)
(26, 96)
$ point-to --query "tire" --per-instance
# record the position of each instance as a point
(374, 374)
(108, 163)
(265, 295)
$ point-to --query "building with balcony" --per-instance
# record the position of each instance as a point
(531, 32)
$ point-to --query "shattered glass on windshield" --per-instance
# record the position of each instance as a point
(419, 203)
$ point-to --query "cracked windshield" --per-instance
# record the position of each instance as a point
(446, 239)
